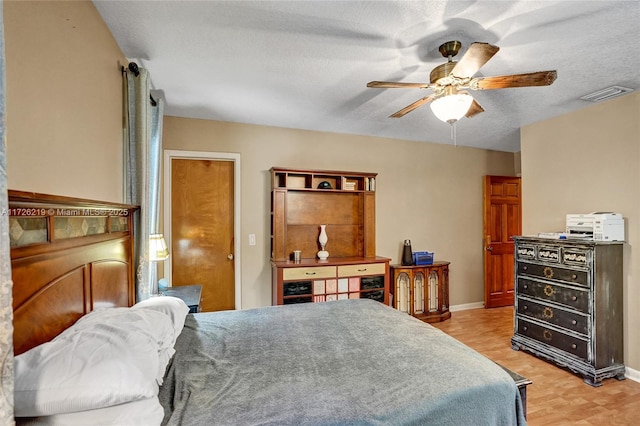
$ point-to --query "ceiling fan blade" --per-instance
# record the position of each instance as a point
(395, 85)
(540, 78)
(474, 58)
(413, 106)
(474, 109)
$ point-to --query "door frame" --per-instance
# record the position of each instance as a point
(169, 155)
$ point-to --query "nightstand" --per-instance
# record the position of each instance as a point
(191, 295)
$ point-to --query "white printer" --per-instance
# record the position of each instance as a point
(601, 226)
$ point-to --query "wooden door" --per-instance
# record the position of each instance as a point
(202, 229)
(502, 220)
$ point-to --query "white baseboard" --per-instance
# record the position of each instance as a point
(632, 374)
(466, 306)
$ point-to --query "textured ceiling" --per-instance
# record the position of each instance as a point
(305, 64)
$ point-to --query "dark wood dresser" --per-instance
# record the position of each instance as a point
(568, 301)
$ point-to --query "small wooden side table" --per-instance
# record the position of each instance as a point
(190, 294)
(422, 290)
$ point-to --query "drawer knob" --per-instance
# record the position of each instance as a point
(525, 307)
(574, 276)
(526, 286)
(574, 346)
(310, 273)
(574, 322)
(362, 270)
(525, 328)
(574, 298)
(525, 267)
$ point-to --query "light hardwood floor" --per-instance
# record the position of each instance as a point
(557, 396)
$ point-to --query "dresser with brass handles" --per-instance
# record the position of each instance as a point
(568, 303)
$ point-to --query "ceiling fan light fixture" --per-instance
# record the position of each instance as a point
(451, 108)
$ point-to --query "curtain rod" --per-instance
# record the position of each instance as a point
(133, 67)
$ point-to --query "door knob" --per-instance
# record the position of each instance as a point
(230, 256)
(489, 248)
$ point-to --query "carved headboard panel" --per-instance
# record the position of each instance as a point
(68, 257)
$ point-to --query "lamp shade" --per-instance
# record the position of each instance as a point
(157, 248)
(451, 108)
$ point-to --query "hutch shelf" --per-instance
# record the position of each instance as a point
(299, 207)
(301, 201)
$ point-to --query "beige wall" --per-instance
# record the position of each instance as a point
(428, 193)
(517, 163)
(64, 100)
(584, 162)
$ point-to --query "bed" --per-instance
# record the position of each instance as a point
(355, 362)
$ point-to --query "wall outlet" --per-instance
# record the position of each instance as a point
(252, 239)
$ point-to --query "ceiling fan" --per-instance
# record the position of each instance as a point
(450, 101)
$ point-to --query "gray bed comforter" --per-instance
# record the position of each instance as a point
(348, 362)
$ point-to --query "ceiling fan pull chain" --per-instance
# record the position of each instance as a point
(454, 136)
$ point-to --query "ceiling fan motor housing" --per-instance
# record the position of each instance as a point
(450, 48)
(441, 71)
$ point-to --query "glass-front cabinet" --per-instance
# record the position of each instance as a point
(422, 290)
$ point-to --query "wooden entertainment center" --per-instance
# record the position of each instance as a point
(301, 201)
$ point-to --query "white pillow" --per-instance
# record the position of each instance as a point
(169, 305)
(145, 412)
(159, 328)
(177, 310)
(108, 357)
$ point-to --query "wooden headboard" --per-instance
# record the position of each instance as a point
(68, 257)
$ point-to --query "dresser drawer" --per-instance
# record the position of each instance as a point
(296, 288)
(311, 273)
(579, 257)
(361, 270)
(567, 319)
(573, 345)
(548, 254)
(572, 298)
(526, 251)
(549, 272)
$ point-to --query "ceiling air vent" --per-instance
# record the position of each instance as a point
(606, 94)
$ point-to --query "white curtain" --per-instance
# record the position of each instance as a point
(6, 292)
(142, 172)
(154, 178)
